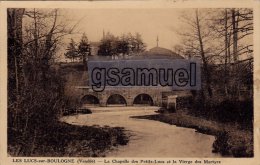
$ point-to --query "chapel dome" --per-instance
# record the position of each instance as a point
(159, 52)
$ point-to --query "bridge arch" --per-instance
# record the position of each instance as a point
(90, 100)
(143, 99)
(116, 100)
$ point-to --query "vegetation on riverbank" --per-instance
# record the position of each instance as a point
(230, 140)
(62, 139)
(36, 92)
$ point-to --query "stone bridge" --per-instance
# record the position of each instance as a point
(130, 95)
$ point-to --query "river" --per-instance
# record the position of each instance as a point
(148, 138)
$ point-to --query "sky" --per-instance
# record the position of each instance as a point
(150, 23)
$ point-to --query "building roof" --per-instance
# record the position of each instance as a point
(159, 52)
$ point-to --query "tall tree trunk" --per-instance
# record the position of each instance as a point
(15, 46)
(228, 46)
(36, 45)
(234, 26)
(226, 55)
(205, 64)
(15, 59)
(235, 20)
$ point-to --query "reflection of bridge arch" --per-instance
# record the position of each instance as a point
(89, 100)
(143, 99)
(116, 99)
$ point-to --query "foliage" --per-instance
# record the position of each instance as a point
(222, 38)
(82, 51)
(61, 139)
(123, 45)
(36, 96)
(72, 52)
(84, 48)
(225, 111)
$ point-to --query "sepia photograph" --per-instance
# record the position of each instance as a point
(130, 83)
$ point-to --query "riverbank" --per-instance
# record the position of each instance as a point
(62, 139)
(230, 140)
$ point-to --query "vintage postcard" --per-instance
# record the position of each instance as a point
(130, 82)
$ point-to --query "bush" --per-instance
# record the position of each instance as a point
(36, 110)
(225, 110)
(221, 144)
(235, 111)
(171, 108)
(62, 139)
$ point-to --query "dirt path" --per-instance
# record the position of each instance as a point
(148, 138)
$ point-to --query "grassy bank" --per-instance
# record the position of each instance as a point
(62, 139)
(229, 139)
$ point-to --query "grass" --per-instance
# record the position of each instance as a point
(230, 140)
(62, 139)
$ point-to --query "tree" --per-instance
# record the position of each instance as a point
(242, 26)
(125, 45)
(72, 51)
(134, 43)
(202, 52)
(43, 32)
(108, 46)
(194, 39)
(35, 90)
(232, 29)
(139, 45)
(84, 48)
(15, 61)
